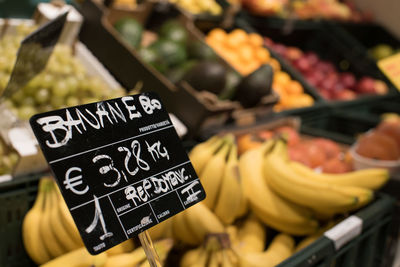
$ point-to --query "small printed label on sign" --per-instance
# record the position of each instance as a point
(120, 166)
(345, 231)
(390, 66)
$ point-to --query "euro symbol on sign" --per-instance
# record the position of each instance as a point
(72, 182)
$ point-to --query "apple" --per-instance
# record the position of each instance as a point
(325, 66)
(348, 80)
(302, 64)
(366, 85)
(380, 87)
(312, 58)
(280, 49)
(345, 94)
(293, 53)
(326, 94)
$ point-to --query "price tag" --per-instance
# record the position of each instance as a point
(345, 231)
(120, 166)
(390, 66)
(33, 54)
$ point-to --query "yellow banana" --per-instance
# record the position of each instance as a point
(78, 258)
(298, 189)
(251, 235)
(201, 153)
(124, 247)
(202, 221)
(67, 220)
(57, 226)
(212, 174)
(191, 257)
(368, 178)
(281, 247)
(230, 194)
(161, 230)
(271, 208)
(138, 255)
(32, 240)
(182, 232)
(54, 246)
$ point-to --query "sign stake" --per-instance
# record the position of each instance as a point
(149, 249)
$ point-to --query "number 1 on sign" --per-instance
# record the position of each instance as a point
(98, 215)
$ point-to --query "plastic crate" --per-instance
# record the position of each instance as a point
(367, 249)
(16, 197)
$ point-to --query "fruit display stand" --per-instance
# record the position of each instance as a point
(17, 197)
(193, 108)
(326, 48)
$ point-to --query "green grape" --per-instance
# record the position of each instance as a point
(60, 89)
(1, 149)
(42, 96)
(26, 112)
(18, 97)
(72, 101)
(57, 102)
(13, 158)
(72, 83)
(28, 101)
(88, 100)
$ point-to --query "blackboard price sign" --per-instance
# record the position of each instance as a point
(120, 166)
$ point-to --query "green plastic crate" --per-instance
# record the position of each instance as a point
(16, 198)
(369, 249)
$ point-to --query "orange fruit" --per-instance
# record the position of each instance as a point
(294, 88)
(281, 78)
(246, 53)
(262, 54)
(255, 39)
(217, 34)
(275, 64)
(236, 38)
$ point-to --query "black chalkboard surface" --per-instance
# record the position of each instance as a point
(120, 166)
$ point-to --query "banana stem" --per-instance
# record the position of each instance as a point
(149, 249)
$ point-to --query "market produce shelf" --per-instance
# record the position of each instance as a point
(16, 197)
(367, 249)
(328, 47)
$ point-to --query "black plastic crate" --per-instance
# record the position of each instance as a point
(17, 197)
(368, 249)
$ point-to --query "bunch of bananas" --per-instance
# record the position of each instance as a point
(48, 229)
(289, 196)
(219, 250)
(326, 195)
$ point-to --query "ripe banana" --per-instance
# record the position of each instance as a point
(181, 230)
(299, 189)
(281, 247)
(161, 230)
(32, 240)
(54, 246)
(202, 153)
(67, 220)
(124, 247)
(251, 235)
(191, 257)
(138, 255)
(77, 258)
(230, 195)
(368, 178)
(269, 207)
(212, 174)
(56, 224)
(202, 221)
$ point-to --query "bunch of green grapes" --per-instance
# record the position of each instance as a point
(64, 82)
(8, 159)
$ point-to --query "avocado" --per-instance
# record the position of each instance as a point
(232, 80)
(176, 74)
(200, 50)
(207, 75)
(150, 56)
(254, 86)
(131, 30)
(173, 30)
(169, 52)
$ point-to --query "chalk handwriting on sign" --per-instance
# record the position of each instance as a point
(120, 166)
